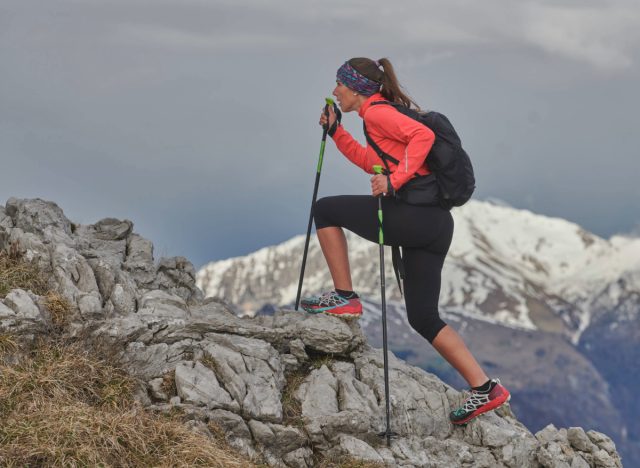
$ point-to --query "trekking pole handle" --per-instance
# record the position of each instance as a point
(377, 168)
(328, 103)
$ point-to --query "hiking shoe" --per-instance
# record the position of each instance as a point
(332, 303)
(480, 402)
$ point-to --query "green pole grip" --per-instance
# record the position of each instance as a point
(329, 103)
(377, 169)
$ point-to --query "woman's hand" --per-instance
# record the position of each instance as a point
(330, 120)
(379, 185)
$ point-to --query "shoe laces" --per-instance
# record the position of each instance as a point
(331, 299)
(476, 399)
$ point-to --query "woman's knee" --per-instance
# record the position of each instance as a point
(322, 210)
(428, 325)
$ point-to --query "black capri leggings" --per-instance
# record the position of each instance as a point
(425, 234)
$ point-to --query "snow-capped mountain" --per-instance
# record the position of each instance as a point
(505, 265)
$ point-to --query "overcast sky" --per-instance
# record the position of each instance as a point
(197, 119)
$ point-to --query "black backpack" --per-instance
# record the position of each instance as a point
(451, 182)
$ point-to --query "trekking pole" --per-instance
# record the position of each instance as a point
(378, 170)
(325, 129)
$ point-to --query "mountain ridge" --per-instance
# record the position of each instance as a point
(550, 260)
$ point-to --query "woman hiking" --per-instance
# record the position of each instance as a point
(424, 232)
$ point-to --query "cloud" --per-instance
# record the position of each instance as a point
(165, 36)
(604, 35)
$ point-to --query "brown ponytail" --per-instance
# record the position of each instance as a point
(391, 89)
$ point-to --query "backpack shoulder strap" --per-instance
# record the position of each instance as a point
(381, 154)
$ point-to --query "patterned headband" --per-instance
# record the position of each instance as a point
(352, 79)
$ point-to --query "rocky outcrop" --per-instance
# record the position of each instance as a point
(288, 389)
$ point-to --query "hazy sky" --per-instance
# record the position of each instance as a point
(197, 119)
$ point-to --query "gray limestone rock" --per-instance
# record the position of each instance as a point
(232, 424)
(252, 373)
(353, 395)
(296, 347)
(32, 248)
(229, 370)
(357, 448)
(325, 334)
(318, 394)
(23, 305)
(112, 229)
(262, 433)
(139, 261)
(155, 360)
(289, 362)
(198, 384)
(123, 299)
(603, 460)
(105, 275)
(552, 456)
(602, 441)
(417, 409)
(139, 251)
(107, 239)
(547, 434)
(162, 299)
(72, 272)
(301, 458)
(579, 462)
(157, 390)
(6, 312)
(89, 304)
(178, 276)
(579, 440)
(37, 215)
(5, 220)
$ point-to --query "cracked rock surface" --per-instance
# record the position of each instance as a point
(286, 389)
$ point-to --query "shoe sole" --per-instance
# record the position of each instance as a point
(326, 312)
(492, 405)
(345, 316)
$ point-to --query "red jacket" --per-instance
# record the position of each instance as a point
(396, 134)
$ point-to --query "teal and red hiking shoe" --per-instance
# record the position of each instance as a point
(479, 402)
(332, 303)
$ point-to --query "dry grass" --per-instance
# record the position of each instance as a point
(59, 308)
(319, 360)
(169, 384)
(16, 272)
(210, 363)
(291, 407)
(8, 345)
(62, 406)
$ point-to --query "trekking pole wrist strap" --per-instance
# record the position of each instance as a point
(390, 190)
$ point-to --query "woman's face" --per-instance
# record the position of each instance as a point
(347, 100)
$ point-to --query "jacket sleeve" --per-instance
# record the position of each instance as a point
(349, 146)
(389, 123)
